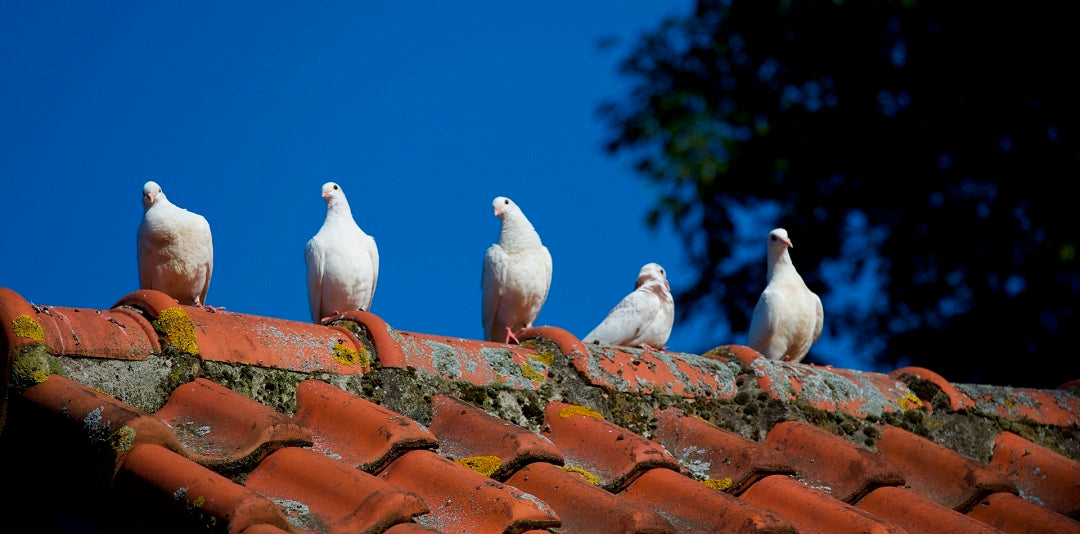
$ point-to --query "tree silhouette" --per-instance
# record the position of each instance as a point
(929, 147)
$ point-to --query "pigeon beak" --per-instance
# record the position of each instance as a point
(667, 285)
(787, 242)
(498, 212)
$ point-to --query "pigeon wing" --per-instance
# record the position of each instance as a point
(626, 321)
(493, 277)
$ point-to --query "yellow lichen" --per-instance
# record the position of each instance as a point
(26, 326)
(175, 324)
(199, 501)
(909, 401)
(347, 356)
(532, 374)
(573, 410)
(122, 440)
(1010, 404)
(485, 465)
(589, 476)
(546, 358)
(39, 376)
(718, 484)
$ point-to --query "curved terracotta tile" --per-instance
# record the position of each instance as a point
(1072, 385)
(812, 510)
(462, 500)
(385, 339)
(465, 431)
(584, 507)
(479, 362)
(824, 459)
(918, 514)
(1010, 513)
(709, 451)
(693, 507)
(263, 528)
(608, 451)
(224, 429)
(113, 426)
(354, 430)
(328, 496)
(667, 373)
(745, 355)
(570, 346)
(75, 331)
(1059, 407)
(939, 473)
(1040, 474)
(957, 400)
(186, 489)
(149, 301)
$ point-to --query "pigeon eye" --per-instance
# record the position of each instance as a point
(506, 201)
(335, 187)
(772, 237)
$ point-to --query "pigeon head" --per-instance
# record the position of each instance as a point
(151, 192)
(331, 190)
(502, 206)
(779, 240)
(652, 271)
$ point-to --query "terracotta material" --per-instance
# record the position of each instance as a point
(938, 473)
(812, 510)
(381, 335)
(461, 500)
(332, 495)
(98, 418)
(609, 451)
(706, 450)
(579, 503)
(667, 373)
(1039, 473)
(1010, 513)
(465, 431)
(568, 343)
(224, 429)
(360, 433)
(180, 485)
(957, 400)
(919, 514)
(691, 506)
(824, 459)
(478, 362)
(1059, 407)
(409, 528)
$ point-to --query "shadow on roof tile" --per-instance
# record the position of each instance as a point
(355, 430)
(584, 507)
(465, 431)
(225, 430)
(824, 459)
(462, 500)
(1011, 513)
(174, 491)
(323, 495)
(812, 510)
(918, 514)
(710, 451)
(609, 451)
(939, 473)
(694, 507)
(1040, 474)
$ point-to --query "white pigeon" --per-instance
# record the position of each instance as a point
(788, 316)
(342, 261)
(642, 318)
(175, 249)
(516, 276)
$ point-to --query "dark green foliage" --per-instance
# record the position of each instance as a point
(931, 146)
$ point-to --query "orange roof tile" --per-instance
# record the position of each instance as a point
(152, 416)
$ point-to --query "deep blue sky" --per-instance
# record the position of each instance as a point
(422, 111)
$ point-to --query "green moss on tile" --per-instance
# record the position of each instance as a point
(32, 365)
(178, 329)
(28, 327)
(122, 440)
